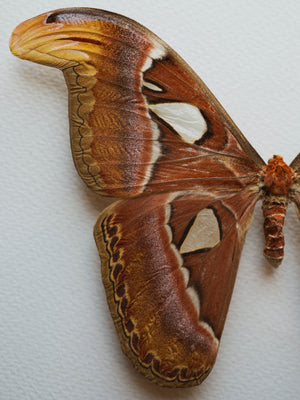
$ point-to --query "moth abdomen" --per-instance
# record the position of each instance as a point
(278, 180)
(274, 215)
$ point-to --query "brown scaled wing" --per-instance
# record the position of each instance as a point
(168, 289)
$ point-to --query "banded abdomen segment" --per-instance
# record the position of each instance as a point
(274, 215)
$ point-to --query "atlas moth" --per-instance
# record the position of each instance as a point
(146, 129)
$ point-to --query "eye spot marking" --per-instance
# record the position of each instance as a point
(203, 232)
(186, 119)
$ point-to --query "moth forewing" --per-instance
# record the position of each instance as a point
(146, 129)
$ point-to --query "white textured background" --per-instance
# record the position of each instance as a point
(57, 339)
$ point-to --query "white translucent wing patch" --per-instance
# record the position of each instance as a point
(152, 86)
(184, 118)
(208, 219)
(204, 232)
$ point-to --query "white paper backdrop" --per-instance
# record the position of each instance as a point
(57, 339)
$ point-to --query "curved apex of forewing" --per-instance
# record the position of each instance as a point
(66, 37)
(141, 120)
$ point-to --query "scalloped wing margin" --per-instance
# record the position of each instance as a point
(168, 287)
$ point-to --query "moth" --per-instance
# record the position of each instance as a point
(146, 129)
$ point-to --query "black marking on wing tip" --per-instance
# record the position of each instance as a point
(78, 13)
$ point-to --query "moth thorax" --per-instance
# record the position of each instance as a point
(277, 177)
(274, 215)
